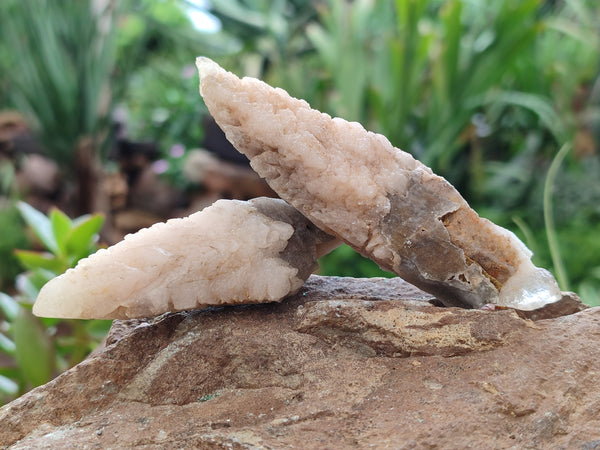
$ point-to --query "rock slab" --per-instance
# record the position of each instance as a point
(345, 363)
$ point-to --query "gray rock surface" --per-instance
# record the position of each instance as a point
(345, 363)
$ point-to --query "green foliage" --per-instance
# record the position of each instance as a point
(39, 348)
(422, 71)
(67, 240)
(12, 236)
(34, 353)
(267, 33)
(7, 178)
(161, 101)
(172, 115)
(272, 43)
(345, 262)
(59, 71)
(579, 255)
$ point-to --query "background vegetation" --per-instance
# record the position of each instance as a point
(486, 93)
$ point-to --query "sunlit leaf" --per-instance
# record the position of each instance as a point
(40, 224)
(35, 260)
(61, 227)
(8, 386)
(26, 287)
(571, 29)
(83, 236)
(8, 306)
(30, 283)
(63, 80)
(7, 346)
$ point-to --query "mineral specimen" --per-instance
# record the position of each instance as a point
(231, 252)
(381, 201)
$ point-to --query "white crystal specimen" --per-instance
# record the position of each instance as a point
(388, 206)
(231, 252)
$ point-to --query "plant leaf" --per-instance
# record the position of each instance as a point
(9, 307)
(61, 227)
(8, 386)
(97, 329)
(539, 105)
(35, 260)
(30, 283)
(83, 236)
(7, 345)
(34, 350)
(40, 224)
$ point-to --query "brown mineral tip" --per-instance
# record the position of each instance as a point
(381, 201)
(231, 252)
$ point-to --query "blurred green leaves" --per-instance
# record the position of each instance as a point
(59, 70)
(157, 46)
(419, 70)
(67, 240)
(39, 348)
(12, 236)
(345, 262)
(34, 352)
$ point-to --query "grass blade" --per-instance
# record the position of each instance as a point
(561, 273)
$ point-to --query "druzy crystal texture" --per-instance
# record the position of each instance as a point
(355, 185)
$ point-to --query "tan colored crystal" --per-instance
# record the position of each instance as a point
(231, 252)
(388, 206)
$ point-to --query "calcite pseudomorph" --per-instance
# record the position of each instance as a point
(229, 253)
(356, 185)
